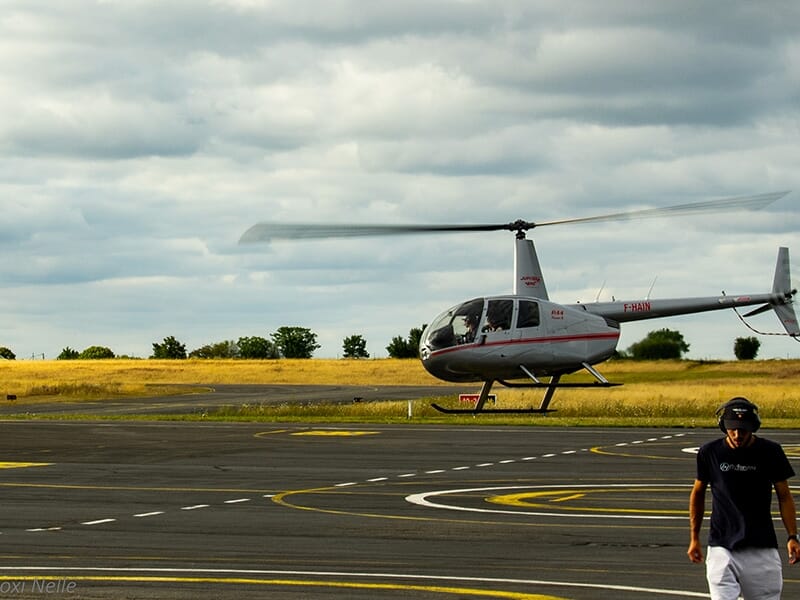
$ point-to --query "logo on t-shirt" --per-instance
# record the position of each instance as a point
(725, 467)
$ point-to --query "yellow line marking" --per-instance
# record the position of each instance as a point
(65, 486)
(599, 450)
(568, 498)
(263, 433)
(288, 582)
(323, 433)
(20, 465)
(522, 500)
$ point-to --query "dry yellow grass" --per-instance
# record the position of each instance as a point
(93, 378)
(685, 392)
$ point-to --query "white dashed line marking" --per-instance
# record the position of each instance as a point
(380, 479)
(98, 522)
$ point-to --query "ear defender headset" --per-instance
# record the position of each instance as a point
(738, 411)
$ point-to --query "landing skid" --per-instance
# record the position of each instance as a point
(550, 388)
(472, 411)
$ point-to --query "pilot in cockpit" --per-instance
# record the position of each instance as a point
(471, 324)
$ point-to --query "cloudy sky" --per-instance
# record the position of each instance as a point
(140, 139)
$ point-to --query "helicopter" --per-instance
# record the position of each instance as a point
(519, 339)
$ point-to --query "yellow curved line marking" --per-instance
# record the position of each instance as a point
(290, 582)
(22, 465)
(324, 433)
(281, 500)
(263, 433)
(521, 500)
(599, 450)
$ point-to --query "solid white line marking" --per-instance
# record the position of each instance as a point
(98, 522)
(423, 499)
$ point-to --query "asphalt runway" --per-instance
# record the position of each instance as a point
(218, 396)
(129, 510)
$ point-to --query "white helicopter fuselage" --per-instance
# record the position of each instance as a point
(525, 335)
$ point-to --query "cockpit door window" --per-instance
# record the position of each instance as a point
(498, 315)
(528, 314)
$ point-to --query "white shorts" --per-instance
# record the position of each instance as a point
(750, 573)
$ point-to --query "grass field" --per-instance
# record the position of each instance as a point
(659, 393)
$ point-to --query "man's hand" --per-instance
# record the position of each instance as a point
(793, 546)
(695, 552)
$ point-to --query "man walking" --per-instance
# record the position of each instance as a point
(742, 470)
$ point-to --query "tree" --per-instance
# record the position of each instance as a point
(226, 349)
(68, 354)
(7, 353)
(170, 348)
(406, 348)
(295, 342)
(746, 348)
(659, 344)
(355, 346)
(256, 347)
(95, 353)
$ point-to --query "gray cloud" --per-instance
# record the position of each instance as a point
(139, 140)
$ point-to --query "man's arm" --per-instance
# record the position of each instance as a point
(697, 507)
(789, 518)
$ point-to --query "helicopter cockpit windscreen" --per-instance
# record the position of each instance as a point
(455, 326)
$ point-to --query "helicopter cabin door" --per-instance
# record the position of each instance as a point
(497, 326)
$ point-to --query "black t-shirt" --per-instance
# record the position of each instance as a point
(741, 483)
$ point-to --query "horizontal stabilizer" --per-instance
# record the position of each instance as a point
(759, 310)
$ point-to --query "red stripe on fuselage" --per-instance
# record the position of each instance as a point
(559, 339)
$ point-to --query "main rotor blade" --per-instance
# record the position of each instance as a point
(707, 206)
(264, 232)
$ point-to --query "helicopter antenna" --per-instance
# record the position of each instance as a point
(652, 285)
(600, 291)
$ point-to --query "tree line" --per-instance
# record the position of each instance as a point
(301, 342)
